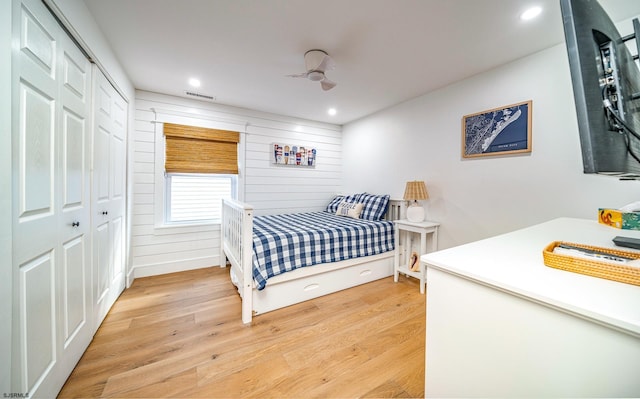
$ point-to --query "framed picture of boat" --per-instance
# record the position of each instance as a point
(498, 131)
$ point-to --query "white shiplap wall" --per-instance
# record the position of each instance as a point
(279, 188)
(269, 188)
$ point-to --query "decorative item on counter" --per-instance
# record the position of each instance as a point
(619, 219)
(608, 263)
(414, 263)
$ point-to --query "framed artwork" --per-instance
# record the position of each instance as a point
(293, 155)
(498, 131)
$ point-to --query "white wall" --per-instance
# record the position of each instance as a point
(5, 197)
(478, 198)
(270, 189)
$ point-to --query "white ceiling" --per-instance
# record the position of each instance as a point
(386, 51)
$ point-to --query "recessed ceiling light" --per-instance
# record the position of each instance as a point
(332, 111)
(530, 13)
(194, 82)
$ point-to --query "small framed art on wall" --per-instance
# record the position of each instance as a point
(293, 155)
(498, 131)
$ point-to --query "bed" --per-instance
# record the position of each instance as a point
(299, 274)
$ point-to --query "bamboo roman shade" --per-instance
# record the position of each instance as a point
(191, 149)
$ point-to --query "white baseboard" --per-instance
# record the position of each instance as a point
(174, 266)
(130, 278)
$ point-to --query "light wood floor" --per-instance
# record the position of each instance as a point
(180, 336)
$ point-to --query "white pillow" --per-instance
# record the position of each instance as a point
(349, 209)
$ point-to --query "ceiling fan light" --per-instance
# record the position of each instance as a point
(315, 76)
(313, 59)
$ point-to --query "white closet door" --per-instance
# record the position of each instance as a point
(51, 196)
(109, 184)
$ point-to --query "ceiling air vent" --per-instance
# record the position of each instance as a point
(200, 95)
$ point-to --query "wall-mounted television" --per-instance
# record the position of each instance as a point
(606, 88)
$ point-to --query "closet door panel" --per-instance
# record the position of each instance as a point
(109, 185)
(118, 251)
(36, 218)
(118, 147)
(38, 42)
(38, 315)
(75, 75)
(101, 263)
(102, 186)
(119, 151)
(102, 141)
(51, 192)
(75, 133)
(74, 205)
(75, 149)
(75, 279)
(73, 163)
(36, 153)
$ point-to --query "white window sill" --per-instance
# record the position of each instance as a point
(187, 227)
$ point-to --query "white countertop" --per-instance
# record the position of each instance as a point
(513, 262)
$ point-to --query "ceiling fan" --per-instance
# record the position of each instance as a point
(317, 62)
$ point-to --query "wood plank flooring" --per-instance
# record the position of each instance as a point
(180, 336)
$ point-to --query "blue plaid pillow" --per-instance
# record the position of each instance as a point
(375, 206)
(333, 205)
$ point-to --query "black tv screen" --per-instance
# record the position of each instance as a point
(606, 88)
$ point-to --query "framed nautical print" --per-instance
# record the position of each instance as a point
(498, 131)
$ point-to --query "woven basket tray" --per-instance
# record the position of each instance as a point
(623, 274)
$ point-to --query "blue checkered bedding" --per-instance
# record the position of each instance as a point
(286, 242)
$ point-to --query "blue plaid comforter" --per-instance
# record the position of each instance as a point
(286, 242)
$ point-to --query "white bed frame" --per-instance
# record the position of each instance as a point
(236, 245)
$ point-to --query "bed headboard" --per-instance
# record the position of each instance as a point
(395, 210)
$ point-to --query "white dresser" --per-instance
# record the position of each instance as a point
(502, 324)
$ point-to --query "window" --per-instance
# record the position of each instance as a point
(197, 197)
(201, 167)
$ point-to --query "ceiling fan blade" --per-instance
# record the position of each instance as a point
(298, 75)
(327, 84)
(326, 64)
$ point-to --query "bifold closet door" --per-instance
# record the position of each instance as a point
(51, 125)
(108, 199)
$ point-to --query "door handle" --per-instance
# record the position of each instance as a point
(75, 224)
(105, 212)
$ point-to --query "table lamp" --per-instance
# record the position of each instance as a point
(415, 191)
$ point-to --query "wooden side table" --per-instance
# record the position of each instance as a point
(405, 231)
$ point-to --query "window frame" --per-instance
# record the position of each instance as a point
(159, 200)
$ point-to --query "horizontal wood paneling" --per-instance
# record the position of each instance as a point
(164, 256)
(269, 188)
(148, 239)
(143, 178)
